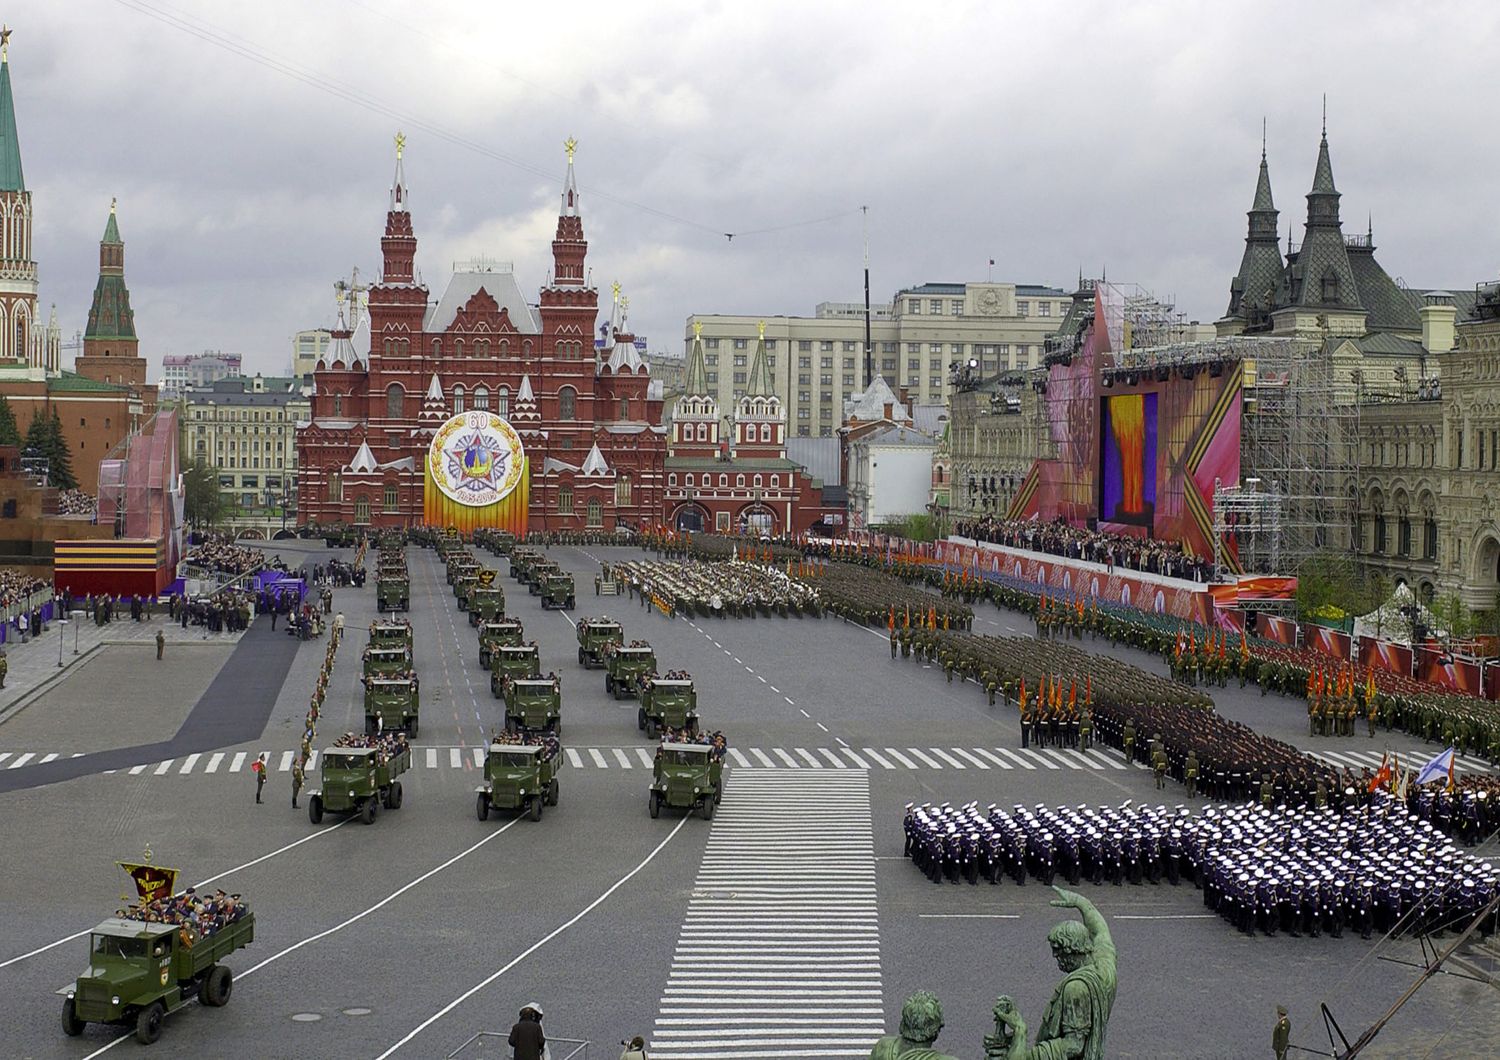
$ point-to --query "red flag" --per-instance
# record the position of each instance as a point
(1382, 775)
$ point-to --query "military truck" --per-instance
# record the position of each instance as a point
(670, 702)
(464, 586)
(390, 634)
(360, 780)
(595, 635)
(687, 776)
(521, 560)
(519, 777)
(339, 536)
(461, 563)
(384, 662)
(140, 972)
(533, 703)
(499, 542)
(557, 592)
(626, 666)
(512, 661)
(493, 634)
(538, 573)
(392, 703)
(392, 593)
(486, 603)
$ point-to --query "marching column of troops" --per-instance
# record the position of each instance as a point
(314, 711)
(1372, 866)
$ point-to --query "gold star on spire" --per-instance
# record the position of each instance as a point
(570, 145)
(761, 328)
(615, 287)
(112, 202)
(697, 329)
(5, 32)
(400, 145)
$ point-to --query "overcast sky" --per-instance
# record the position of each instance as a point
(1046, 136)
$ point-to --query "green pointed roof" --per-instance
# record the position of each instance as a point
(10, 145)
(1263, 201)
(111, 229)
(760, 384)
(1323, 174)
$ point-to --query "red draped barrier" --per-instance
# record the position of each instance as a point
(1382, 655)
(1328, 641)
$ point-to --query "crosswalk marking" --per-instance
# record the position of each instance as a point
(135, 771)
(162, 769)
(239, 760)
(188, 763)
(286, 762)
(620, 757)
(23, 759)
(643, 756)
(432, 758)
(965, 754)
(739, 757)
(772, 961)
(946, 757)
(1040, 758)
(838, 763)
(1002, 763)
(785, 758)
(929, 762)
(479, 758)
(761, 757)
(573, 759)
(4, 755)
(802, 752)
(858, 761)
(1017, 759)
(598, 758)
(875, 757)
(454, 761)
(898, 756)
(1108, 759)
(214, 762)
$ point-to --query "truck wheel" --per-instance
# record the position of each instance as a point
(148, 1023)
(706, 808)
(640, 719)
(72, 1026)
(609, 684)
(380, 605)
(411, 727)
(552, 793)
(315, 809)
(655, 805)
(482, 807)
(367, 811)
(369, 727)
(718, 794)
(580, 659)
(536, 807)
(398, 795)
(571, 603)
(217, 987)
(650, 728)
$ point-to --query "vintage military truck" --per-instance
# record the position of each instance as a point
(626, 666)
(360, 780)
(139, 972)
(392, 593)
(390, 634)
(392, 703)
(669, 702)
(493, 634)
(464, 587)
(538, 573)
(459, 564)
(519, 777)
(340, 536)
(512, 661)
(521, 560)
(380, 662)
(499, 542)
(687, 776)
(533, 704)
(486, 603)
(595, 635)
(557, 592)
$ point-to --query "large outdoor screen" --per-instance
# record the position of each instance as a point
(1127, 459)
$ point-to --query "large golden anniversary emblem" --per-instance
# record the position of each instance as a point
(476, 458)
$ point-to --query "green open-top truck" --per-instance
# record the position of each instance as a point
(496, 633)
(512, 661)
(687, 776)
(390, 633)
(360, 780)
(486, 603)
(667, 702)
(533, 704)
(595, 635)
(392, 703)
(557, 591)
(626, 666)
(519, 777)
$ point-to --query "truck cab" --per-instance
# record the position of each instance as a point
(392, 592)
(519, 776)
(385, 661)
(493, 635)
(358, 780)
(667, 702)
(391, 703)
(515, 662)
(557, 592)
(687, 776)
(626, 667)
(595, 635)
(538, 573)
(533, 703)
(390, 635)
(486, 602)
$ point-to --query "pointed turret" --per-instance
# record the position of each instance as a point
(398, 246)
(760, 383)
(434, 411)
(1323, 199)
(1320, 274)
(11, 178)
(570, 184)
(1252, 292)
(569, 248)
(110, 346)
(696, 383)
(594, 463)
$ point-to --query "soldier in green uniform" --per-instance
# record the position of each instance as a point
(4, 667)
(1129, 741)
(1190, 773)
(1281, 1037)
(1159, 765)
(1086, 729)
(1267, 791)
(297, 778)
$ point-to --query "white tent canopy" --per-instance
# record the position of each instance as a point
(1391, 621)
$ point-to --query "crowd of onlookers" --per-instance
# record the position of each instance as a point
(16, 586)
(76, 502)
(1096, 546)
(219, 554)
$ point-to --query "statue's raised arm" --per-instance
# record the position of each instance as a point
(1074, 1022)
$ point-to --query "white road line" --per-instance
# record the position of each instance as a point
(807, 755)
(479, 757)
(898, 756)
(1038, 756)
(189, 762)
(440, 1013)
(1110, 760)
(286, 762)
(644, 756)
(875, 757)
(955, 763)
(239, 760)
(965, 754)
(776, 690)
(804, 713)
(23, 759)
(455, 760)
(978, 916)
(931, 763)
(135, 771)
(739, 756)
(54, 754)
(432, 758)
(820, 725)
(1002, 763)
(761, 679)
(214, 761)
(838, 762)
(1017, 759)
(1085, 759)
(620, 757)
(761, 756)
(788, 759)
(598, 758)
(5, 754)
(573, 759)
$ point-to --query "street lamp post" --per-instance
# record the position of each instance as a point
(60, 622)
(77, 613)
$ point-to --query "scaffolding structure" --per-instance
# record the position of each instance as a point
(1299, 442)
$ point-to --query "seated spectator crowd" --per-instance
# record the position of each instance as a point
(1096, 546)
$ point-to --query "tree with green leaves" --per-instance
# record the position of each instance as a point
(10, 433)
(202, 503)
(59, 458)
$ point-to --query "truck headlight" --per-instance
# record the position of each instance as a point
(522, 791)
(351, 793)
(114, 1000)
(696, 789)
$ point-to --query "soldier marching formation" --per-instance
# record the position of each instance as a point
(198, 916)
(1370, 865)
(735, 589)
(314, 711)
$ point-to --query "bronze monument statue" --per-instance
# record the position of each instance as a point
(1074, 1021)
(921, 1020)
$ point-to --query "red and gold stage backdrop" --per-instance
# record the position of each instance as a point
(1438, 667)
(119, 567)
(1276, 629)
(1139, 457)
(1328, 641)
(476, 474)
(1383, 655)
